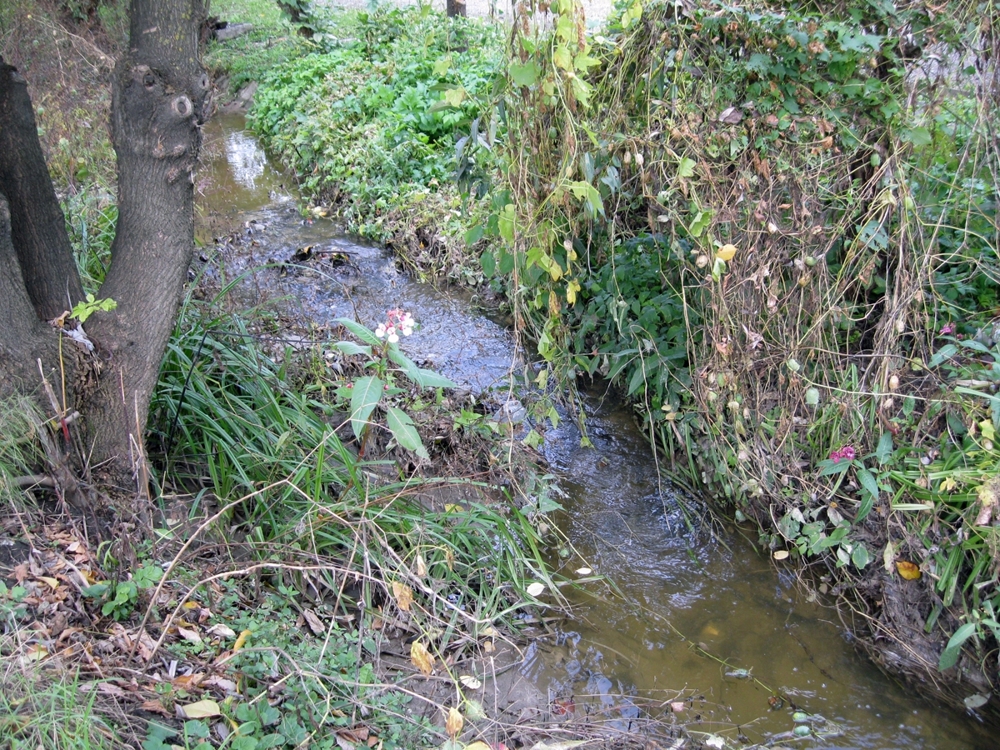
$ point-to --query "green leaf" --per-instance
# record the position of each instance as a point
(946, 352)
(859, 556)
(505, 223)
(489, 263)
(366, 394)
(401, 427)
(474, 235)
(917, 136)
(430, 379)
(686, 167)
(349, 347)
(360, 331)
(950, 654)
(868, 483)
(883, 451)
(525, 74)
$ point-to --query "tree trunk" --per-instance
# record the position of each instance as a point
(456, 8)
(37, 225)
(159, 96)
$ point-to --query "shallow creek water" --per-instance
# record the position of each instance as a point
(682, 588)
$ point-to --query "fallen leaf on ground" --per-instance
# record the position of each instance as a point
(188, 635)
(470, 682)
(562, 745)
(221, 631)
(908, 570)
(200, 710)
(422, 659)
(312, 620)
(241, 641)
(154, 707)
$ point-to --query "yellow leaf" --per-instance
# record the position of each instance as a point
(453, 508)
(422, 659)
(571, 289)
(52, 582)
(948, 484)
(453, 725)
(241, 641)
(403, 595)
(908, 570)
(201, 709)
(477, 745)
(726, 253)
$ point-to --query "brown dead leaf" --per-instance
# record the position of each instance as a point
(403, 595)
(422, 659)
(188, 681)
(154, 707)
(421, 566)
(20, 572)
(312, 620)
(454, 723)
(188, 634)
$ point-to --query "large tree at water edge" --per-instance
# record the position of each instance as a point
(158, 106)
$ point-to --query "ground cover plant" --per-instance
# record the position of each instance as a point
(775, 227)
(371, 125)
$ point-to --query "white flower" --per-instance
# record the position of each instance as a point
(393, 337)
(380, 331)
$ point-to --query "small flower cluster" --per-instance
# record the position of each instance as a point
(398, 322)
(846, 453)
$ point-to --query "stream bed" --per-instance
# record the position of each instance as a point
(703, 623)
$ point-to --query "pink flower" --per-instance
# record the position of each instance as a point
(847, 453)
(946, 329)
(397, 321)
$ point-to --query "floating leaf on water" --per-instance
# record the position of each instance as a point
(780, 554)
(714, 740)
(908, 570)
(739, 674)
(535, 589)
(976, 700)
(584, 571)
(678, 706)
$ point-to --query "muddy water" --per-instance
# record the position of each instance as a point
(700, 619)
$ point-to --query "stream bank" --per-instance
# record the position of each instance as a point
(701, 627)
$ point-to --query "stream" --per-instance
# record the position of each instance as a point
(705, 624)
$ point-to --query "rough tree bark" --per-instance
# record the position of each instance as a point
(456, 8)
(159, 98)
